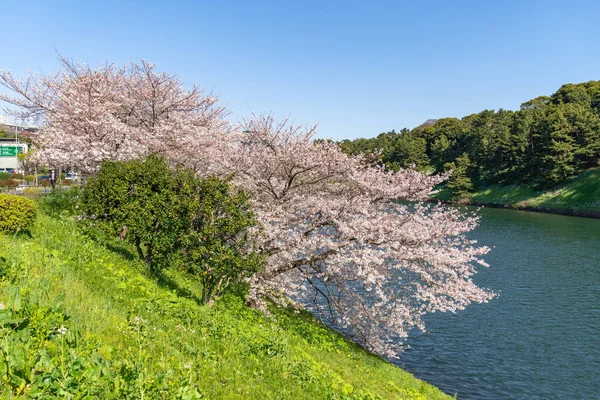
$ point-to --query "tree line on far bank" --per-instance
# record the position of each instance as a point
(549, 139)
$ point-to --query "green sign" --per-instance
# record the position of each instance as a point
(9, 151)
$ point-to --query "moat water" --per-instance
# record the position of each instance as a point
(541, 338)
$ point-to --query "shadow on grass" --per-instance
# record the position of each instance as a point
(167, 282)
(119, 249)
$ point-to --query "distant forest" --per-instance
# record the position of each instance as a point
(546, 141)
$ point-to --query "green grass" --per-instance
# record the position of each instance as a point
(578, 193)
(127, 335)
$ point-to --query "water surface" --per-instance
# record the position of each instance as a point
(541, 338)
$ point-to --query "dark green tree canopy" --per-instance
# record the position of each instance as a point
(549, 139)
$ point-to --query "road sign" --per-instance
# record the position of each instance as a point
(9, 151)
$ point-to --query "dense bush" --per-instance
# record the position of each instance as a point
(4, 176)
(17, 176)
(45, 182)
(217, 247)
(16, 213)
(66, 182)
(138, 201)
(29, 178)
(172, 215)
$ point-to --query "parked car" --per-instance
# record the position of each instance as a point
(9, 170)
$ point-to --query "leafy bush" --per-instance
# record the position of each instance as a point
(169, 213)
(4, 176)
(137, 200)
(45, 182)
(17, 176)
(217, 248)
(29, 178)
(16, 213)
(66, 182)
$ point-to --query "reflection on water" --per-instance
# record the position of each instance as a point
(541, 338)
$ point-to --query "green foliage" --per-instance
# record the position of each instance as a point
(17, 176)
(170, 215)
(408, 151)
(80, 320)
(29, 178)
(579, 193)
(62, 202)
(459, 184)
(16, 213)
(139, 201)
(4, 176)
(550, 139)
(33, 192)
(216, 247)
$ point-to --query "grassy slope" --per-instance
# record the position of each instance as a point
(579, 193)
(131, 337)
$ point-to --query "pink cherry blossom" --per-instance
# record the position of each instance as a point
(348, 240)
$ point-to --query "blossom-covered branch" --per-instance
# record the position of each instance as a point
(349, 240)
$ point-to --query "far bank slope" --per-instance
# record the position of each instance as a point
(578, 196)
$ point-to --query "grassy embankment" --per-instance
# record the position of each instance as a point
(80, 318)
(577, 196)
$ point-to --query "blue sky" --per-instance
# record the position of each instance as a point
(356, 68)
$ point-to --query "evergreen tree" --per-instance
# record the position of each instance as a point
(459, 184)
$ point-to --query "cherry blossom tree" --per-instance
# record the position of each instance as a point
(348, 240)
(113, 113)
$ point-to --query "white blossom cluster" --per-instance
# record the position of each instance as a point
(341, 244)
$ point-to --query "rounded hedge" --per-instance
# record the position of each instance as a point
(10, 183)
(16, 213)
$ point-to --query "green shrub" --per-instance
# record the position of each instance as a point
(16, 213)
(170, 214)
(137, 200)
(17, 176)
(4, 176)
(29, 178)
(217, 248)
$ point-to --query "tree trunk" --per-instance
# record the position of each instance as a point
(138, 247)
